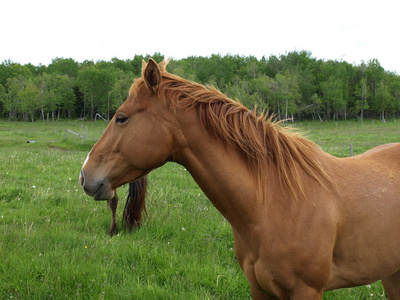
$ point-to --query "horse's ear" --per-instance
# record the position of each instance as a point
(163, 64)
(151, 75)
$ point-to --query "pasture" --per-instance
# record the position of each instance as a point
(54, 240)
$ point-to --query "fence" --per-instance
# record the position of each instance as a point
(83, 136)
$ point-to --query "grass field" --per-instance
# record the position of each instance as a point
(54, 241)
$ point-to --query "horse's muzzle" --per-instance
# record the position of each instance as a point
(82, 178)
(98, 189)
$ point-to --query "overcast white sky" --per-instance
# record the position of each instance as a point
(350, 30)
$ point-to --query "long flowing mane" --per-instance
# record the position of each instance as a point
(261, 139)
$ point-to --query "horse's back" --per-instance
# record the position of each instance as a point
(371, 169)
(376, 170)
(391, 148)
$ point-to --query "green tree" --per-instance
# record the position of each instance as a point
(383, 98)
(13, 103)
(62, 87)
(29, 100)
(3, 97)
(374, 74)
(249, 67)
(293, 83)
(333, 95)
(120, 89)
(262, 86)
(42, 83)
(394, 86)
(362, 93)
(315, 106)
(95, 83)
(17, 70)
(286, 93)
(64, 66)
(242, 91)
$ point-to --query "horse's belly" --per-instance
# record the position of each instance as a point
(367, 251)
(360, 274)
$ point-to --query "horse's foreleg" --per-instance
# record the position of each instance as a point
(392, 286)
(257, 294)
(297, 294)
(113, 203)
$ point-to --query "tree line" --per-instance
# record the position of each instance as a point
(294, 85)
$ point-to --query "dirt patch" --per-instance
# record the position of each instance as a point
(58, 148)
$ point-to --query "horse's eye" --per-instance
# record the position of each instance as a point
(121, 119)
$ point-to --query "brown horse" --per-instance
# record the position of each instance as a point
(134, 206)
(304, 222)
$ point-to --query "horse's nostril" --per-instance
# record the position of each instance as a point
(82, 178)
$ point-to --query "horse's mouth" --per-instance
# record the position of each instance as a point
(103, 193)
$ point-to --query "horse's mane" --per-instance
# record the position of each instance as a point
(261, 139)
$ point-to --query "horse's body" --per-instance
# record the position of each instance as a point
(303, 221)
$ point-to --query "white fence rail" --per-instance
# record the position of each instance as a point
(83, 136)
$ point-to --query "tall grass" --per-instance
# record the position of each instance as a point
(54, 241)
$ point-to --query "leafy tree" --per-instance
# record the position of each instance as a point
(95, 83)
(273, 66)
(17, 70)
(315, 106)
(63, 87)
(249, 68)
(64, 66)
(42, 83)
(333, 95)
(362, 93)
(29, 100)
(13, 104)
(288, 84)
(383, 98)
(262, 86)
(3, 96)
(286, 93)
(240, 90)
(374, 74)
(394, 87)
(120, 89)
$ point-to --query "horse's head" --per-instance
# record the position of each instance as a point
(138, 139)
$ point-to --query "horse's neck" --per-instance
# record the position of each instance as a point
(221, 172)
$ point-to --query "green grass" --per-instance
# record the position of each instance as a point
(336, 138)
(54, 241)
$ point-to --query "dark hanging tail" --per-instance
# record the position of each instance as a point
(113, 203)
(135, 204)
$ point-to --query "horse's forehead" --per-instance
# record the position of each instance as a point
(133, 91)
(136, 87)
